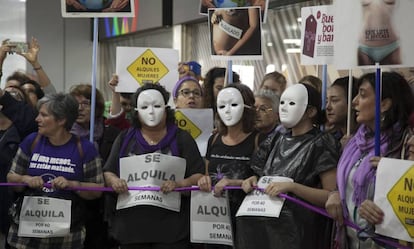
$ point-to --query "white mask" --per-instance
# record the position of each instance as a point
(151, 107)
(293, 103)
(230, 106)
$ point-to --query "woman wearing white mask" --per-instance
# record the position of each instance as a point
(153, 133)
(306, 155)
(229, 151)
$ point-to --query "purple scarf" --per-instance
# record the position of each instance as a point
(168, 140)
(361, 145)
(98, 131)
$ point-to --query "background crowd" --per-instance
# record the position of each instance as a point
(279, 129)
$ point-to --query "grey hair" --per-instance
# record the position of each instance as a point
(61, 106)
(269, 95)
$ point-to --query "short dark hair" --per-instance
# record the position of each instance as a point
(18, 76)
(38, 90)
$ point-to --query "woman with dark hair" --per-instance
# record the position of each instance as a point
(213, 83)
(356, 170)
(307, 156)
(153, 132)
(103, 138)
(229, 151)
(33, 91)
(337, 106)
(53, 155)
(187, 93)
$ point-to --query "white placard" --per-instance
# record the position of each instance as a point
(199, 123)
(136, 66)
(210, 219)
(317, 46)
(257, 203)
(395, 196)
(44, 217)
(151, 170)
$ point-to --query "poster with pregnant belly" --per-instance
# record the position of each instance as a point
(207, 4)
(235, 33)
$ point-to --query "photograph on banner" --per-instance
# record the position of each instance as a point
(235, 33)
(210, 219)
(153, 170)
(370, 32)
(199, 123)
(257, 203)
(98, 8)
(136, 66)
(394, 195)
(211, 4)
(317, 41)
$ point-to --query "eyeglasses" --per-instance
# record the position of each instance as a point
(85, 103)
(186, 93)
(263, 109)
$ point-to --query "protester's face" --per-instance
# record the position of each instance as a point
(273, 86)
(293, 103)
(47, 123)
(151, 107)
(30, 91)
(217, 86)
(266, 117)
(189, 96)
(230, 106)
(126, 104)
(364, 105)
(16, 92)
(84, 108)
(12, 83)
(336, 105)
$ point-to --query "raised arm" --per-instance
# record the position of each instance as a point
(32, 56)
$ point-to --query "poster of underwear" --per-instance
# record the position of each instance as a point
(98, 8)
(235, 33)
(368, 32)
(317, 41)
(207, 4)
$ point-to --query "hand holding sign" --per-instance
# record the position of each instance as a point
(276, 188)
(371, 212)
(249, 184)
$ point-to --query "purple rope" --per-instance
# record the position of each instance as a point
(318, 210)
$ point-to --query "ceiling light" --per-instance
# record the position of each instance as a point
(292, 41)
(293, 50)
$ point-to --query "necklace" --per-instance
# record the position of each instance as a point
(151, 142)
(154, 140)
